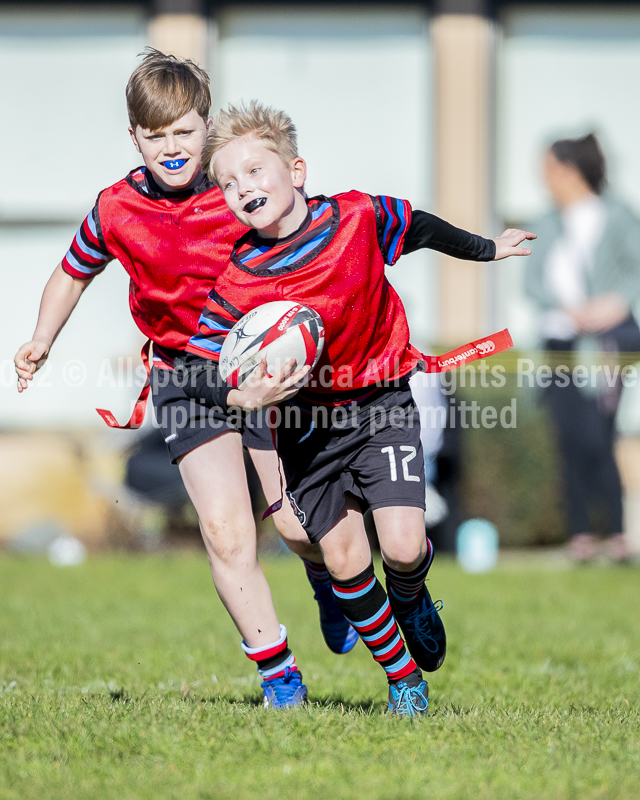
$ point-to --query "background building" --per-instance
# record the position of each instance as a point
(447, 103)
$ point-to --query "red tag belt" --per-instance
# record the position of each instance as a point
(480, 348)
(137, 418)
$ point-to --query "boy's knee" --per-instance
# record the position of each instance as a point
(229, 545)
(405, 556)
(341, 564)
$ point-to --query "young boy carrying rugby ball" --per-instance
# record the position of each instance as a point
(169, 227)
(330, 253)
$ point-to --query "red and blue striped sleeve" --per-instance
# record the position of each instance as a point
(216, 320)
(88, 254)
(394, 218)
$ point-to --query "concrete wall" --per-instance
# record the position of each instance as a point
(64, 137)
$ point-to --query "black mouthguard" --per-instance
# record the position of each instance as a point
(254, 204)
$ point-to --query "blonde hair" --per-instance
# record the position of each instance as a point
(164, 88)
(273, 128)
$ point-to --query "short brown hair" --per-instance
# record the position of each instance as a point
(164, 88)
(274, 129)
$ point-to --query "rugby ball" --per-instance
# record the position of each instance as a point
(276, 331)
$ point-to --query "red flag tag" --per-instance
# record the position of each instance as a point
(481, 348)
(137, 418)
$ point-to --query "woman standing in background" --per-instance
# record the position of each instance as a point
(584, 276)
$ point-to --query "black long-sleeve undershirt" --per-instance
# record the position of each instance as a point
(428, 231)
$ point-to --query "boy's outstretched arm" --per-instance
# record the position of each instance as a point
(59, 298)
(428, 231)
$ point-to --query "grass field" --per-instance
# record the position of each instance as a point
(123, 678)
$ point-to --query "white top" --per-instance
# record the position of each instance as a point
(570, 259)
(426, 389)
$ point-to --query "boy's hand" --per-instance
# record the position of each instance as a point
(262, 390)
(29, 358)
(507, 244)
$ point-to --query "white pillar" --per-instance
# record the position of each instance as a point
(180, 27)
(463, 42)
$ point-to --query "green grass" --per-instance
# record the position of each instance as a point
(123, 678)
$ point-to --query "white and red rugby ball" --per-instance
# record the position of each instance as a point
(276, 331)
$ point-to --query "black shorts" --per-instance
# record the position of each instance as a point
(371, 449)
(186, 424)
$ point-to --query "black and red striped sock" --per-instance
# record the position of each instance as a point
(272, 659)
(317, 574)
(405, 588)
(365, 604)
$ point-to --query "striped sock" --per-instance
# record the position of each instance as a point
(365, 604)
(317, 574)
(274, 658)
(405, 588)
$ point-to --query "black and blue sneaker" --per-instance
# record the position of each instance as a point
(284, 691)
(336, 629)
(424, 632)
(409, 696)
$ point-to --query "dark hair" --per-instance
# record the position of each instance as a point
(586, 156)
(164, 88)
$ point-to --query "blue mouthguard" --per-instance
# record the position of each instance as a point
(179, 162)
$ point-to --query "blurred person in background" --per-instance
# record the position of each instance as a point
(584, 276)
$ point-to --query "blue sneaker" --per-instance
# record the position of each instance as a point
(284, 691)
(336, 629)
(410, 696)
(424, 632)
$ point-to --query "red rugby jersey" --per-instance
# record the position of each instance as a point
(341, 276)
(173, 248)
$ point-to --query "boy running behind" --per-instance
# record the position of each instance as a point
(171, 230)
(350, 439)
